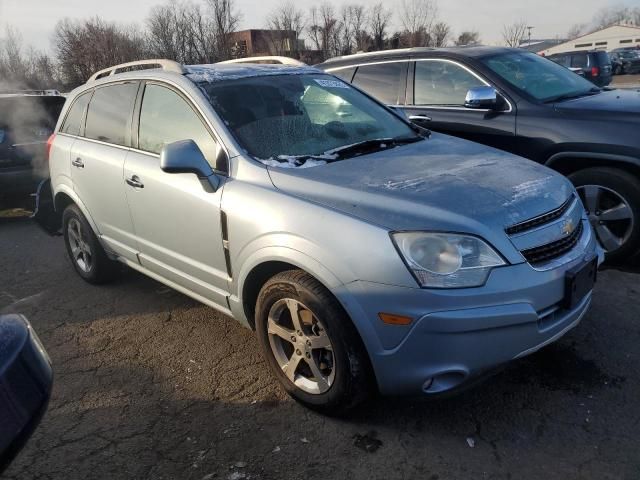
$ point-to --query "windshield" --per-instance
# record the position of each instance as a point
(628, 55)
(292, 116)
(538, 77)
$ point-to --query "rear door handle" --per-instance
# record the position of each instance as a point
(135, 182)
(78, 163)
(419, 118)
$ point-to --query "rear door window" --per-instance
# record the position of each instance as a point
(384, 81)
(73, 123)
(110, 112)
(443, 83)
(579, 60)
(603, 58)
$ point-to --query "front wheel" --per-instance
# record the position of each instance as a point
(612, 200)
(310, 344)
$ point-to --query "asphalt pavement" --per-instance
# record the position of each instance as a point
(149, 384)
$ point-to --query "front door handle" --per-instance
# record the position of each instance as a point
(419, 118)
(78, 163)
(134, 181)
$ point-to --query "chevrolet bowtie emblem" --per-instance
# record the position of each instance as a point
(568, 227)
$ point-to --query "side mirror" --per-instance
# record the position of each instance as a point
(26, 379)
(482, 98)
(185, 156)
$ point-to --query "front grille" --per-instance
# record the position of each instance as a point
(554, 249)
(542, 219)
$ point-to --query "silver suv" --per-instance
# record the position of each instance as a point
(367, 254)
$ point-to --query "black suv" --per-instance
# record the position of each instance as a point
(523, 103)
(595, 65)
(27, 119)
(625, 61)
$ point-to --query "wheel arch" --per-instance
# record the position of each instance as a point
(65, 197)
(267, 262)
(571, 162)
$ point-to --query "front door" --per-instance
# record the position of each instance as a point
(436, 98)
(177, 221)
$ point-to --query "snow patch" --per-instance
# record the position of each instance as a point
(217, 73)
(527, 189)
(297, 161)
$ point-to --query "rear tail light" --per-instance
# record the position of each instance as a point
(595, 71)
(49, 145)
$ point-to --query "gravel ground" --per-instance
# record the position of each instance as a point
(626, 81)
(152, 385)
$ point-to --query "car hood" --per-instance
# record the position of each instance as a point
(443, 183)
(615, 102)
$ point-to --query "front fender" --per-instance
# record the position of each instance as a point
(276, 253)
(319, 270)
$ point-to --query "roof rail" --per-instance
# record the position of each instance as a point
(269, 59)
(381, 52)
(166, 65)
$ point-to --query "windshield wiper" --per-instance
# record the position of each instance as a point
(370, 146)
(569, 96)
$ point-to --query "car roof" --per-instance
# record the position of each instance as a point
(578, 52)
(218, 72)
(191, 74)
(415, 53)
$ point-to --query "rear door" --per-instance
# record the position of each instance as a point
(177, 221)
(97, 164)
(579, 63)
(386, 81)
(437, 89)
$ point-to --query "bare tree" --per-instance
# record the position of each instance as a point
(225, 19)
(348, 41)
(576, 30)
(418, 18)
(181, 32)
(286, 18)
(325, 30)
(379, 18)
(468, 38)
(514, 34)
(83, 47)
(440, 35)
(359, 25)
(614, 15)
(24, 68)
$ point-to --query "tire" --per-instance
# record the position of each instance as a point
(349, 380)
(85, 252)
(616, 188)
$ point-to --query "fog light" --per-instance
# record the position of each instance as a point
(392, 319)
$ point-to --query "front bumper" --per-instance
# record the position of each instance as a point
(457, 335)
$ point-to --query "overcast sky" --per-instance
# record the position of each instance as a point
(35, 19)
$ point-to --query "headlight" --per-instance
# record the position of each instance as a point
(447, 260)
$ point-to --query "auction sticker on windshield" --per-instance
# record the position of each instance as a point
(331, 83)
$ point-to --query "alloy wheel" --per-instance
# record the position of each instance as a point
(609, 214)
(301, 346)
(80, 249)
